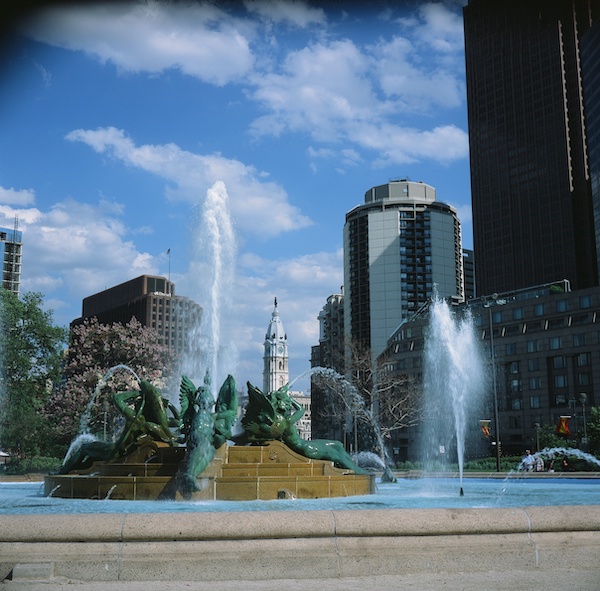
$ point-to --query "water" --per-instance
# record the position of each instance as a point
(18, 498)
(454, 383)
(212, 281)
(84, 422)
(557, 453)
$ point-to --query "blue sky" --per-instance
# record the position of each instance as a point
(118, 118)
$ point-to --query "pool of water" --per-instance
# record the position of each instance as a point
(19, 498)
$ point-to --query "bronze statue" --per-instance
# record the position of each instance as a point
(203, 431)
(274, 416)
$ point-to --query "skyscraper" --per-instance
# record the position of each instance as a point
(531, 192)
(590, 62)
(152, 301)
(11, 244)
(398, 246)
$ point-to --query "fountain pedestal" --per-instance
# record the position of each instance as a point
(237, 473)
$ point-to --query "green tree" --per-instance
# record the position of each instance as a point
(32, 348)
(593, 431)
(94, 349)
(549, 438)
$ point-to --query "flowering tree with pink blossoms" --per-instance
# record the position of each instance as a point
(94, 349)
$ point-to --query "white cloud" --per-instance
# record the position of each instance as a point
(17, 197)
(414, 87)
(74, 250)
(198, 38)
(442, 28)
(259, 207)
(337, 92)
(296, 13)
(301, 285)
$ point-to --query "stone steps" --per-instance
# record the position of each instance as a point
(266, 472)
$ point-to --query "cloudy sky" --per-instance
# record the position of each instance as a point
(117, 119)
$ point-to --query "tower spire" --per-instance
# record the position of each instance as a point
(275, 357)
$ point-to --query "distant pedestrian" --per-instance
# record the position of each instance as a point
(539, 463)
(527, 461)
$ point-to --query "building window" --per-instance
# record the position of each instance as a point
(562, 306)
(560, 381)
(515, 385)
(559, 362)
(533, 346)
(560, 400)
(497, 317)
(514, 422)
(535, 402)
(585, 301)
(518, 314)
(535, 383)
(555, 343)
(583, 359)
(579, 340)
(516, 404)
(513, 367)
(511, 349)
(584, 379)
(538, 310)
(533, 364)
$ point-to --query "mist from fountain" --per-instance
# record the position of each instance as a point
(211, 283)
(454, 383)
(354, 403)
(553, 453)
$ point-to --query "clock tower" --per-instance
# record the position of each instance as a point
(275, 369)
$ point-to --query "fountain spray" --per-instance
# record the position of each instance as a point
(211, 281)
(453, 382)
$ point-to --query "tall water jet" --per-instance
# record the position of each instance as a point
(211, 284)
(454, 382)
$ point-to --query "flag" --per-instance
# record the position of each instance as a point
(169, 251)
(485, 427)
(563, 426)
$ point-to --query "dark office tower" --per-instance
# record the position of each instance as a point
(530, 183)
(590, 66)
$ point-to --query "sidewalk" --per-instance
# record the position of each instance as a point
(536, 580)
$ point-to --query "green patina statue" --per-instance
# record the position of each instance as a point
(203, 431)
(274, 416)
(145, 414)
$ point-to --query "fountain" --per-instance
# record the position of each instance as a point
(453, 385)
(147, 463)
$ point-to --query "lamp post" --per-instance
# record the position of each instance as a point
(488, 305)
(537, 436)
(583, 399)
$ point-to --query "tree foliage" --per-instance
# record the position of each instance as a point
(593, 431)
(32, 349)
(94, 349)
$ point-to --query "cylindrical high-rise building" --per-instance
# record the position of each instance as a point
(398, 247)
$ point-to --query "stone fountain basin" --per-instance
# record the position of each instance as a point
(300, 544)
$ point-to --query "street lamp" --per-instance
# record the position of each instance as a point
(488, 305)
(583, 399)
